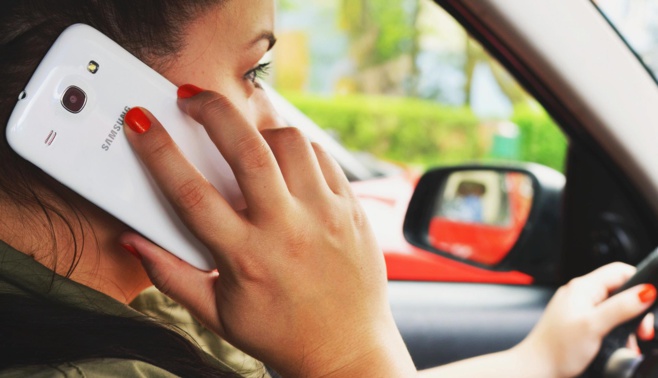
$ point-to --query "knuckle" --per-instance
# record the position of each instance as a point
(359, 217)
(250, 269)
(620, 265)
(333, 225)
(190, 195)
(286, 138)
(211, 105)
(159, 149)
(296, 233)
(621, 269)
(343, 216)
(319, 150)
(253, 152)
(297, 241)
(333, 218)
(573, 283)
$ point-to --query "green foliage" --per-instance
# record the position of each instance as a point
(392, 41)
(401, 130)
(381, 30)
(542, 141)
(424, 133)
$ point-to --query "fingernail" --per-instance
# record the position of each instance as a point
(188, 90)
(647, 294)
(137, 120)
(132, 251)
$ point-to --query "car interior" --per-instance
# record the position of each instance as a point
(607, 209)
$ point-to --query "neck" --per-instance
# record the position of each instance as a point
(84, 247)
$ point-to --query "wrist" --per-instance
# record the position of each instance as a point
(535, 359)
(378, 352)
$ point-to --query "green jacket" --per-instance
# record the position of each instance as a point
(22, 275)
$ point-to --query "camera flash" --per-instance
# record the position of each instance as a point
(92, 67)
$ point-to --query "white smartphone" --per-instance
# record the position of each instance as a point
(68, 122)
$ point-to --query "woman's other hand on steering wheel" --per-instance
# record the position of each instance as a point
(581, 313)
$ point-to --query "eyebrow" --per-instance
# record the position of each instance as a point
(267, 36)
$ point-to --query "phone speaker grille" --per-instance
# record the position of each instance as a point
(51, 138)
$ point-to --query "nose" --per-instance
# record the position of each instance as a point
(266, 117)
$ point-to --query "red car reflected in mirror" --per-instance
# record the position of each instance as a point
(481, 215)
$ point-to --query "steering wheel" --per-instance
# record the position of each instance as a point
(608, 359)
(612, 361)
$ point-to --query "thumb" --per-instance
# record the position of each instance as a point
(187, 285)
(625, 306)
(646, 330)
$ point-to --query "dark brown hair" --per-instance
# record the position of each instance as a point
(154, 31)
(37, 332)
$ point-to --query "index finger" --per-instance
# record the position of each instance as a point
(243, 147)
(194, 199)
(601, 282)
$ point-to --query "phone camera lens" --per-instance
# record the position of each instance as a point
(74, 99)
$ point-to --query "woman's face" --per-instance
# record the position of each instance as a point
(222, 52)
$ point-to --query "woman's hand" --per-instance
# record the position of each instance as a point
(301, 282)
(568, 336)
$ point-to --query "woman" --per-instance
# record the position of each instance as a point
(302, 284)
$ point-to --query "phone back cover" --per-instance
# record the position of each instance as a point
(88, 151)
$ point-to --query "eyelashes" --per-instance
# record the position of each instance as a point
(258, 72)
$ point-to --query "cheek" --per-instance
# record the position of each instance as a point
(237, 91)
(262, 112)
(252, 103)
(214, 78)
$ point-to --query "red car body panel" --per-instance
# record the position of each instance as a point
(485, 244)
(385, 202)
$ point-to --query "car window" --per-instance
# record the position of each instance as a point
(400, 83)
(637, 23)
(366, 70)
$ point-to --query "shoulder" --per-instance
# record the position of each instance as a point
(105, 367)
(157, 305)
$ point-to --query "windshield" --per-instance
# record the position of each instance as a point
(637, 23)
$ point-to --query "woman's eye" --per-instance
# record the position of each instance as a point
(258, 72)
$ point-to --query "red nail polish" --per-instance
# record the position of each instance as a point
(647, 294)
(188, 90)
(132, 250)
(137, 120)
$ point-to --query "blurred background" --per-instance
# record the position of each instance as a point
(390, 83)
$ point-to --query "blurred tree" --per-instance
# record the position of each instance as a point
(475, 55)
(382, 31)
(292, 47)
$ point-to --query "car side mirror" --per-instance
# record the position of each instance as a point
(494, 217)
